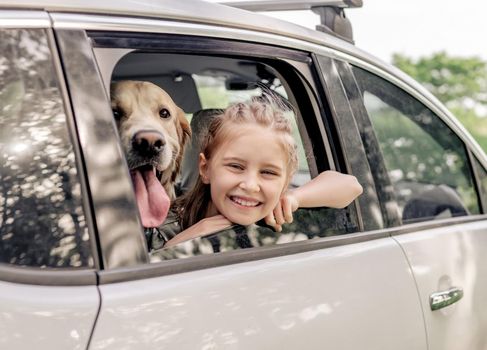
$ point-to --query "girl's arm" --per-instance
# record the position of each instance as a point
(202, 228)
(329, 189)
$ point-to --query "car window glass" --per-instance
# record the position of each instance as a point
(426, 162)
(41, 216)
(308, 224)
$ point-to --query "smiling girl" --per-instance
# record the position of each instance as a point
(248, 157)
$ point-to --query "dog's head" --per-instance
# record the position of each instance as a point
(153, 131)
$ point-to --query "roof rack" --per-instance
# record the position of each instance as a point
(331, 12)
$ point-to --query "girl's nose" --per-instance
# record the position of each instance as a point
(250, 184)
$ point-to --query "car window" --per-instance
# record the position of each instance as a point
(207, 88)
(42, 222)
(426, 162)
(202, 85)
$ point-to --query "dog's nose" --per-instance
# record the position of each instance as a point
(148, 142)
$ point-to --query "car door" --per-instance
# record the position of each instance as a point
(48, 293)
(443, 228)
(339, 287)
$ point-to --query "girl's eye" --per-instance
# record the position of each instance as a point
(235, 166)
(269, 172)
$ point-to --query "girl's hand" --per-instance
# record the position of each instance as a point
(202, 228)
(283, 212)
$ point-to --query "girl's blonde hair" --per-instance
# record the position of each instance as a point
(265, 112)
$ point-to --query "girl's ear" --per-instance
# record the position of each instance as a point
(203, 168)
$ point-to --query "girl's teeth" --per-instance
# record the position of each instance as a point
(244, 203)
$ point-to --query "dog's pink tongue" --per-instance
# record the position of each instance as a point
(152, 199)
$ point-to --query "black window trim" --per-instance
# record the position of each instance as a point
(476, 177)
(386, 198)
(73, 132)
(346, 136)
(180, 43)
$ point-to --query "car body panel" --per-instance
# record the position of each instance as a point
(446, 257)
(325, 298)
(195, 11)
(24, 19)
(46, 317)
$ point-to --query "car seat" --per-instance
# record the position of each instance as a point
(189, 167)
(440, 201)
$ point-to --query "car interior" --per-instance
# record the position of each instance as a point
(202, 86)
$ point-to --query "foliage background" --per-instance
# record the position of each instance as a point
(459, 82)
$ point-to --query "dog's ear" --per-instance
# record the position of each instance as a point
(184, 134)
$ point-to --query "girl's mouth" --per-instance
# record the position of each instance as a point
(245, 202)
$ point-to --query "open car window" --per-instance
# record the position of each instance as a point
(202, 85)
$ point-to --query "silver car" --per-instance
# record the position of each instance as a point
(403, 267)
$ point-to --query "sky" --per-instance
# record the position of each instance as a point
(414, 28)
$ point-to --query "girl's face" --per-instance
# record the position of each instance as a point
(247, 174)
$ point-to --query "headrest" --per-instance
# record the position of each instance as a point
(435, 202)
(182, 90)
(189, 167)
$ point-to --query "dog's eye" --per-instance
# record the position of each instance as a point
(117, 113)
(164, 113)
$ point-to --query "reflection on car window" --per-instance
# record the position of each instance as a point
(426, 162)
(41, 218)
(307, 224)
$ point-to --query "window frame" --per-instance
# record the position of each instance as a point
(476, 169)
(385, 195)
(346, 135)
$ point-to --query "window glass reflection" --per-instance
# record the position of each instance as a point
(41, 217)
(307, 224)
(426, 162)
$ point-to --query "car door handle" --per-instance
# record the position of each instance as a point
(442, 299)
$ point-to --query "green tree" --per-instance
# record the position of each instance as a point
(459, 82)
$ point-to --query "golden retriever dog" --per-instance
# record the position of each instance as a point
(153, 131)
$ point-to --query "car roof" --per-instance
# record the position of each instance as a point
(189, 10)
